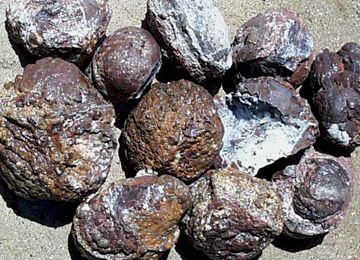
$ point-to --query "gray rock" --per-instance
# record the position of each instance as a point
(264, 120)
(193, 35)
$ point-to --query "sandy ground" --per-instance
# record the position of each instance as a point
(40, 230)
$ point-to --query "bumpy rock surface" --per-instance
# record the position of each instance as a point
(65, 28)
(334, 94)
(56, 133)
(193, 36)
(126, 63)
(273, 43)
(234, 216)
(315, 193)
(131, 219)
(174, 130)
(264, 120)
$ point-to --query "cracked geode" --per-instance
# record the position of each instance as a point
(193, 36)
(264, 120)
(56, 133)
(64, 28)
(333, 90)
(234, 215)
(131, 219)
(315, 193)
(125, 64)
(275, 43)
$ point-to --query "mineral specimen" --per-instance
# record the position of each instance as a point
(126, 63)
(63, 28)
(56, 133)
(234, 215)
(131, 219)
(333, 90)
(274, 43)
(174, 130)
(264, 120)
(193, 36)
(315, 193)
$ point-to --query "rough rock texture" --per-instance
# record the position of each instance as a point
(63, 28)
(126, 63)
(131, 219)
(334, 94)
(273, 43)
(193, 36)
(56, 133)
(264, 120)
(174, 130)
(315, 193)
(234, 216)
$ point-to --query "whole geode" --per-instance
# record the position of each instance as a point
(234, 215)
(333, 90)
(131, 219)
(56, 133)
(315, 193)
(274, 43)
(193, 36)
(64, 28)
(174, 130)
(125, 64)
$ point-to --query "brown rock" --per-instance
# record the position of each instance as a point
(333, 90)
(174, 130)
(315, 193)
(275, 43)
(126, 63)
(63, 28)
(56, 133)
(234, 216)
(264, 120)
(131, 219)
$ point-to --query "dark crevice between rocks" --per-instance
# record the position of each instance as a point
(74, 253)
(48, 213)
(294, 245)
(326, 147)
(187, 251)
(268, 171)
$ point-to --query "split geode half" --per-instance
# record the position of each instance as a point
(174, 130)
(315, 193)
(126, 63)
(193, 36)
(333, 90)
(264, 120)
(56, 133)
(234, 215)
(131, 219)
(274, 43)
(64, 28)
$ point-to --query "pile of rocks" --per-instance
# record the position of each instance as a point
(232, 155)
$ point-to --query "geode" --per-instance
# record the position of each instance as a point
(234, 215)
(56, 133)
(315, 193)
(333, 90)
(193, 36)
(126, 63)
(264, 120)
(64, 28)
(174, 130)
(275, 43)
(131, 219)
